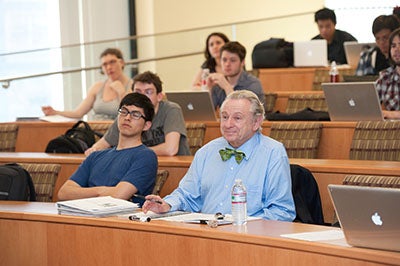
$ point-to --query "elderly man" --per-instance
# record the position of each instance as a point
(260, 162)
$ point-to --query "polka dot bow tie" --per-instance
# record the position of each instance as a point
(228, 153)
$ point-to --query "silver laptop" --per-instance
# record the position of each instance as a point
(310, 53)
(369, 216)
(196, 105)
(352, 101)
(353, 51)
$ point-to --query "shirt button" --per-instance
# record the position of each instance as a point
(220, 204)
(231, 168)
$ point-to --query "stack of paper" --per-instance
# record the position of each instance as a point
(96, 207)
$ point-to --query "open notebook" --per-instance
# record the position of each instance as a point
(352, 101)
(369, 216)
(196, 105)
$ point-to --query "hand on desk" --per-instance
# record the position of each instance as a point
(155, 204)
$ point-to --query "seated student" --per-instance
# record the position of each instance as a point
(167, 135)
(214, 42)
(124, 170)
(233, 76)
(104, 96)
(263, 168)
(376, 58)
(388, 83)
(326, 21)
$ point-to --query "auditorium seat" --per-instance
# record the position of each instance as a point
(376, 140)
(161, 178)
(100, 127)
(298, 102)
(301, 140)
(195, 135)
(44, 177)
(8, 137)
(269, 101)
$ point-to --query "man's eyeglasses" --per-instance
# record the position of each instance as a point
(134, 114)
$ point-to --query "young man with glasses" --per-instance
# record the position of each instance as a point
(167, 135)
(127, 169)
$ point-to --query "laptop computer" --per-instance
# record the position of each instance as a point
(196, 105)
(310, 53)
(369, 216)
(352, 101)
(353, 51)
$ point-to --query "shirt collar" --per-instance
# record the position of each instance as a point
(249, 146)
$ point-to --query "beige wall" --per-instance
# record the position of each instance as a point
(160, 16)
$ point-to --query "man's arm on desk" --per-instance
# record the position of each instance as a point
(72, 190)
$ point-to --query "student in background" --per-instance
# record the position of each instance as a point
(233, 76)
(124, 170)
(167, 135)
(104, 96)
(326, 21)
(376, 58)
(263, 166)
(214, 42)
(388, 84)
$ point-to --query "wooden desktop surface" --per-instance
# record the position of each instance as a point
(325, 171)
(335, 139)
(33, 234)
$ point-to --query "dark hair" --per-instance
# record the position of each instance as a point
(389, 22)
(235, 48)
(324, 14)
(396, 11)
(210, 61)
(148, 77)
(112, 51)
(141, 101)
(392, 35)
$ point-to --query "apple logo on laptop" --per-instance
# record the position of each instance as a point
(376, 219)
(190, 106)
(352, 103)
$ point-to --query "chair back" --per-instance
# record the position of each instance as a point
(195, 134)
(376, 140)
(161, 178)
(301, 140)
(298, 102)
(269, 101)
(306, 196)
(8, 137)
(44, 177)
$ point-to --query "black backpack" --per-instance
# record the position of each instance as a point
(16, 183)
(271, 53)
(75, 140)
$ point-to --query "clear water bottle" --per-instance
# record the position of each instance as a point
(204, 75)
(239, 203)
(334, 73)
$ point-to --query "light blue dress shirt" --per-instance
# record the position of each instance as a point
(265, 172)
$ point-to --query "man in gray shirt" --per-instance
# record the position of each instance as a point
(167, 135)
(234, 76)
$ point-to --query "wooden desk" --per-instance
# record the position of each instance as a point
(297, 78)
(334, 143)
(283, 96)
(325, 171)
(34, 136)
(33, 234)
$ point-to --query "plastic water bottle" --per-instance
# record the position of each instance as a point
(204, 75)
(239, 203)
(333, 72)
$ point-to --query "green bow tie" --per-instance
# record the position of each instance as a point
(227, 153)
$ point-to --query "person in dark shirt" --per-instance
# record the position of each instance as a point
(326, 21)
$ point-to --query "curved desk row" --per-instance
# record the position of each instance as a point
(33, 234)
(335, 139)
(325, 171)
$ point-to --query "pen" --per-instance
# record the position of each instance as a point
(144, 198)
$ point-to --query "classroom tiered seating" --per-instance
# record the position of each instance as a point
(8, 137)
(195, 135)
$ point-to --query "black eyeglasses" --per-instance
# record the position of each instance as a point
(134, 114)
